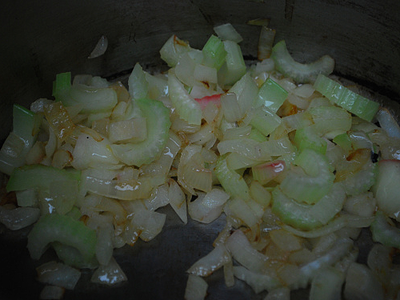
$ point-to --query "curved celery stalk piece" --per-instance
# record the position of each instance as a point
(158, 124)
(271, 95)
(39, 176)
(72, 257)
(64, 229)
(315, 184)
(231, 181)
(383, 232)
(301, 73)
(187, 108)
(349, 100)
(214, 53)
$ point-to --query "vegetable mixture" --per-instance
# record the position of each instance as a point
(297, 162)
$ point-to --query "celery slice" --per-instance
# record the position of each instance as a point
(307, 138)
(265, 121)
(271, 95)
(173, 49)
(214, 52)
(301, 73)
(39, 176)
(234, 67)
(61, 85)
(187, 108)
(349, 100)
(63, 229)
(315, 184)
(158, 124)
(231, 181)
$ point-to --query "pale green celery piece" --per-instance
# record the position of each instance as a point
(383, 232)
(61, 85)
(246, 91)
(27, 197)
(292, 212)
(74, 213)
(265, 121)
(234, 67)
(301, 73)
(256, 135)
(187, 108)
(349, 100)
(54, 227)
(270, 95)
(343, 141)
(214, 53)
(231, 181)
(313, 185)
(158, 124)
(138, 85)
(307, 138)
(39, 176)
(173, 49)
(26, 124)
(72, 257)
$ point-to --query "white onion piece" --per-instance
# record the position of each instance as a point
(58, 274)
(211, 262)
(19, 217)
(51, 144)
(159, 198)
(39, 104)
(36, 154)
(324, 243)
(208, 207)
(228, 32)
(259, 282)
(89, 152)
(149, 223)
(285, 240)
(177, 200)
(282, 293)
(327, 284)
(362, 205)
(244, 212)
(229, 276)
(380, 262)
(110, 274)
(388, 123)
(241, 249)
(230, 107)
(339, 250)
(196, 288)
(104, 245)
(361, 283)
(100, 47)
(51, 292)
(27, 197)
(124, 131)
(265, 42)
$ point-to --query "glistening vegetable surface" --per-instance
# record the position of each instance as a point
(283, 150)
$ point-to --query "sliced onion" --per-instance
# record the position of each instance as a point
(52, 292)
(100, 47)
(196, 288)
(109, 275)
(177, 199)
(18, 218)
(58, 274)
(259, 282)
(211, 262)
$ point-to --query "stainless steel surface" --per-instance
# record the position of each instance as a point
(41, 38)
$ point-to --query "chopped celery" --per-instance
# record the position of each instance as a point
(39, 176)
(214, 53)
(187, 108)
(173, 49)
(25, 124)
(317, 181)
(307, 138)
(234, 67)
(265, 121)
(63, 229)
(61, 85)
(271, 95)
(158, 124)
(349, 100)
(301, 73)
(231, 181)
(138, 85)
(343, 141)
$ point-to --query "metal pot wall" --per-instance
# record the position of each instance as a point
(42, 38)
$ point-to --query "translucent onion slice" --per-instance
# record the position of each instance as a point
(109, 275)
(177, 199)
(100, 47)
(208, 264)
(259, 282)
(19, 217)
(58, 274)
(196, 288)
